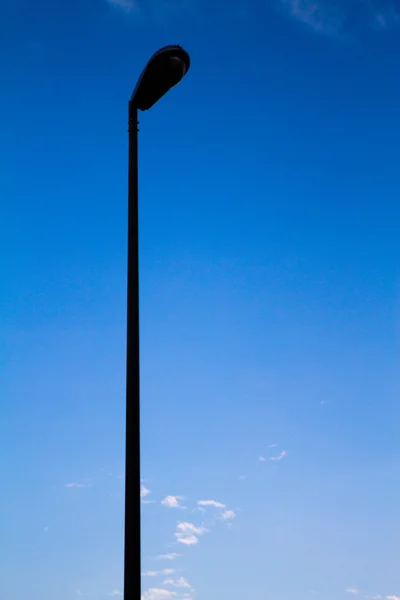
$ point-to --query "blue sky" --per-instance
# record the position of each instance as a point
(270, 314)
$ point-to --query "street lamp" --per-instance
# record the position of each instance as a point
(163, 71)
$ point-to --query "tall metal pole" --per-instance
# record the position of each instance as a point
(132, 564)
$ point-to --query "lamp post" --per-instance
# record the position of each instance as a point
(163, 71)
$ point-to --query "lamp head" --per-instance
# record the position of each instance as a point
(163, 71)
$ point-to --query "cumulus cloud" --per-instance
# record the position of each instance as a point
(280, 456)
(172, 502)
(213, 503)
(187, 533)
(158, 594)
(186, 527)
(170, 556)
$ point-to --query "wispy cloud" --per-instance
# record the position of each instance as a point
(74, 485)
(170, 556)
(332, 17)
(280, 456)
(173, 502)
(356, 592)
(272, 446)
(156, 573)
(115, 593)
(262, 459)
(385, 17)
(228, 515)
(46, 529)
(213, 503)
(158, 594)
(125, 5)
(179, 583)
(144, 492)
(321, 15)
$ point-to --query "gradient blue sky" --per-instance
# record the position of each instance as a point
(270, 306)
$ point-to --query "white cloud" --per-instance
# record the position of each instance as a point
(280, 456)
(73, 485)
(356, 592)
(46, 529)
(261, 458)
(228, 515)
(272, 446)
(187, 533)
(115, 592)
(144, 492)
(188, 540)
(170, 556)
(213, 503)
(172, 502)
(158, 594)
(190, 528)
(155, 573)
(179, 583)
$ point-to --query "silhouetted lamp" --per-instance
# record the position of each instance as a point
(164, 70)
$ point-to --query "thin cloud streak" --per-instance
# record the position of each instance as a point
(280, 456)
(179, 583)
(212, 503)
(155, 573)
(74, 485)
(170, 556)
(158, 594)
(125, 5)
